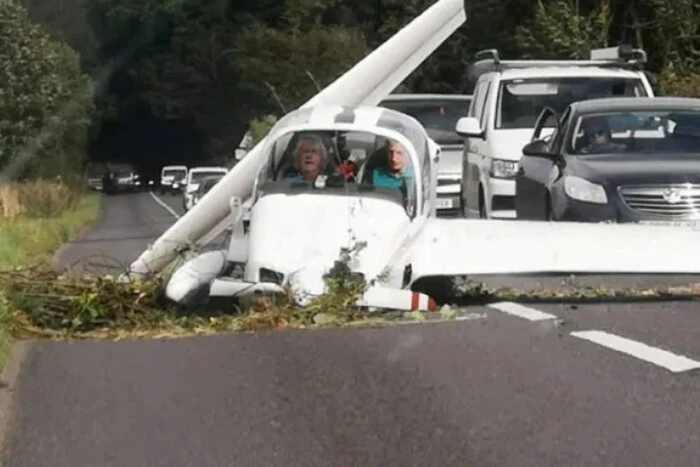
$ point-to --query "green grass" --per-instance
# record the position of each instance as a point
(25, 240)
(28, 240)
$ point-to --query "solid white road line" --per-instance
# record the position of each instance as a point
(165, 206)
(672, 362)
(520, 311)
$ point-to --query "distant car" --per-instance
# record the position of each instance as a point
(172, 178)
(205, 186)
(629, 159)
(94, 173)
(439, 114)
(123, 177)
(195, 176)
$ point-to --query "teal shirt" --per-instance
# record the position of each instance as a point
(382, 177)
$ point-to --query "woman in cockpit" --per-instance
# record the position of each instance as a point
(310, 157)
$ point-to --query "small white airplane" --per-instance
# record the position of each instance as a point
(299, 225)
(404, 240)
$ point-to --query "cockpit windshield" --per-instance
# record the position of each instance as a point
(340, 162)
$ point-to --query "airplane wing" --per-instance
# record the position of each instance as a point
(454, 247)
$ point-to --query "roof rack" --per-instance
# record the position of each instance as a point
(623, 56)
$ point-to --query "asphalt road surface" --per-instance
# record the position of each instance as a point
(505, 385)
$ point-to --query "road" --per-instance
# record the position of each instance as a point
(506, 385)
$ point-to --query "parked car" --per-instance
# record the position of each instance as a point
(614, 160)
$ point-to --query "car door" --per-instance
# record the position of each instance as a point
(533, 175)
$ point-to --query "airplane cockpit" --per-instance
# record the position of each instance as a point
(340, 162)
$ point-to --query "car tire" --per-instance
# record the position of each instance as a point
(482, 205)
(548, 212)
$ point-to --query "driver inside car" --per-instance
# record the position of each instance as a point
(597, 137)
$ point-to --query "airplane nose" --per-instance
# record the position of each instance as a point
(308, 282)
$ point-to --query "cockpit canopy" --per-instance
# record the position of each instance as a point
(360, 152)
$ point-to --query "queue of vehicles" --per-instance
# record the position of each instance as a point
(508, 150)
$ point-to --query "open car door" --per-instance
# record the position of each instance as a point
(545, 117)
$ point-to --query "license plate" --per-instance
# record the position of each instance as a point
(444, 203)
(686, 224)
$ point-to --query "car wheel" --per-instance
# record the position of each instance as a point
(482, 205)
(548, 213)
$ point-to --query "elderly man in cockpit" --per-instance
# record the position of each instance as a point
(310, 157)
(397, 171)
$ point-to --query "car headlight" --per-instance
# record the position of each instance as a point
(503, 169)
(583, 190)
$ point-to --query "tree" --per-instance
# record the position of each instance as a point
(558, 30)
(47, 102)
(292, 65)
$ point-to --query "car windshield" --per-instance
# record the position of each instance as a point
(122, 171)
(210, 182)
(197, 177)
(174, 173)
(339, 162)
(438, 116)
(520, 101)
(662, 131)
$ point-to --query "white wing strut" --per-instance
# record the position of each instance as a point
(367, 83)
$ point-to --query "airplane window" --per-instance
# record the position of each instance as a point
(339, 162)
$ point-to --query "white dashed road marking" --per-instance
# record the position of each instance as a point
(663, 358)
(521, 311)
(165, 206)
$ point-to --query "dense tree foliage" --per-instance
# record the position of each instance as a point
(220, 63)
(46, 103)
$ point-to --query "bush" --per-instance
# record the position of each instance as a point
(675, 84)
(260, 127)
(37, 198)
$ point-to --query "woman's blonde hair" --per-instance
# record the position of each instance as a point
(317, 143)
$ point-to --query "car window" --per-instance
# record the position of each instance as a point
(660, 132)
(438, 116)
(520, 101)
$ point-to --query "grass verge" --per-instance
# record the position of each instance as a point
(25, 239)
(36, 218)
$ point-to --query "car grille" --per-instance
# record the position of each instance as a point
(667, 201)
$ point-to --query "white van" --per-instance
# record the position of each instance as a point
(172, 177)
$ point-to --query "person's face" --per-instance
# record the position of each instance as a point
(600, 136)
(309, 157)
(397, 158)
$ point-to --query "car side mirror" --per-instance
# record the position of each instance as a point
(240, 153)
(538, 148)
(469, 127)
